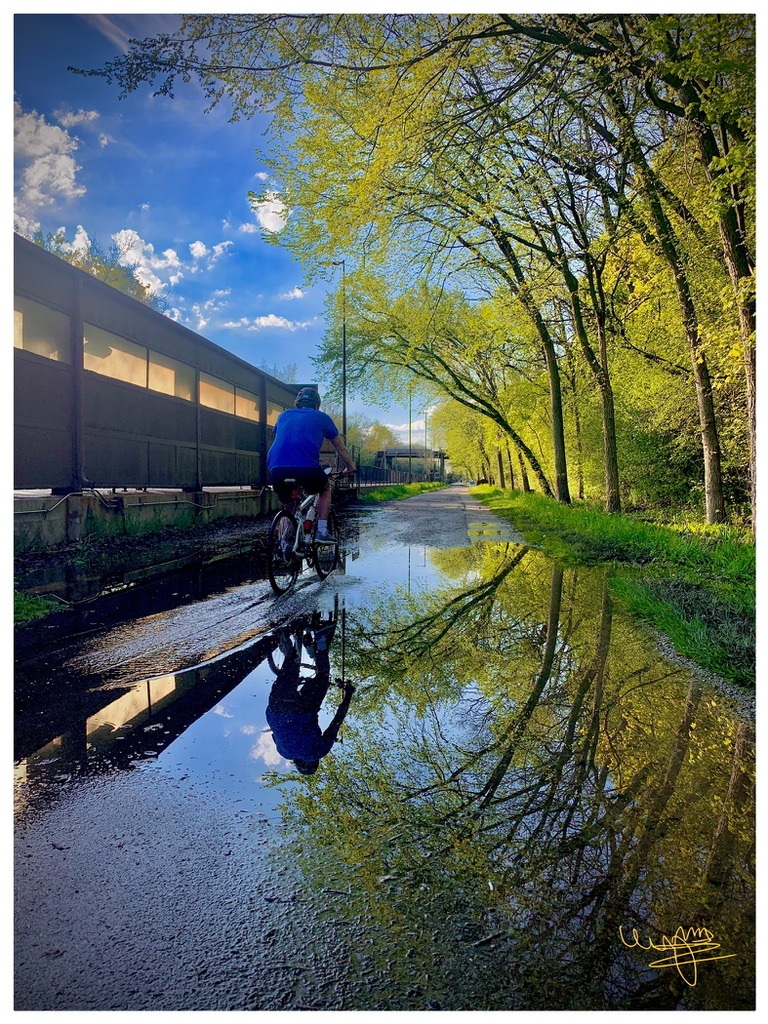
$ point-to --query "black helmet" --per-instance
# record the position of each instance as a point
(307, 398)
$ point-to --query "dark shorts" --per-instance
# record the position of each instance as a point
(312, 478)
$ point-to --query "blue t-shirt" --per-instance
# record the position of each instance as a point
(299, 436)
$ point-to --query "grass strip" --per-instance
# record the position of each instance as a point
(395, 492)
(29, 606)
(693, 584)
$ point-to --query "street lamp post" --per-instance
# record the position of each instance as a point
(410, 443)
(343, 265)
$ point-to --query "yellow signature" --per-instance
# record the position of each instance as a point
(686, 949)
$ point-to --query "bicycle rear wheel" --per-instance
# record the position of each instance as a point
(282, 571)
(325, 556)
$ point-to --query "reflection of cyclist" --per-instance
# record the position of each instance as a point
(295, 452)
(294, 702)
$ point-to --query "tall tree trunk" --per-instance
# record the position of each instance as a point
(599, 368)
(524, 474)
(502, 482)
(666, 244)
(511, 470)
(576, 425)
(738, 259)
(518, 287)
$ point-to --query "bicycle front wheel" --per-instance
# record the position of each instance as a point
(282, 569)
(325, 556)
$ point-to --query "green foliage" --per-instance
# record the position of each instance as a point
(396, 492)
(492, 217)
(27, 607)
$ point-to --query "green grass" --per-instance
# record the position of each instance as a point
(27, 607)
(695, 585)
(395, 492)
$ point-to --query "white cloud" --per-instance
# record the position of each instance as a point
(46, 167)
(261, 175)
(200, 251)
(203, 311)
(271, 212)
(220, 250)
(401, 430)
(69, 119)
(294, 293)
(135, 251)
(280, 322)
(249, 229)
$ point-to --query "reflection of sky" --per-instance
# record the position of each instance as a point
(219, 747)
(231, 747)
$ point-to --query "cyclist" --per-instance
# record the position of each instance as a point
(295, 453)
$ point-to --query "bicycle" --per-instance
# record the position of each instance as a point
(292, 540)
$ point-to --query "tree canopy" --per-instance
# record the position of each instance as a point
(586, 180)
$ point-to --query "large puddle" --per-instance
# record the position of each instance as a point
(526, 806)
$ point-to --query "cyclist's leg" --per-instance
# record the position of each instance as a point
(285, 483)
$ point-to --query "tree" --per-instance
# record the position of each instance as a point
(698, 70)
(112, 266)
(468, 354)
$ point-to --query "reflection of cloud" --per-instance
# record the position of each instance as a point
(294, 293)
(222, 711)
(265, 750)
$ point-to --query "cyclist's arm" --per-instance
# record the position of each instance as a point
(331, 733)
(341, 448)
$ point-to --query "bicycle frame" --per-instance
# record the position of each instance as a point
(303, 505)
(301, 513)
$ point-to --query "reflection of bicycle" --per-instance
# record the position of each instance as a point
(299, 638)
(292, 540)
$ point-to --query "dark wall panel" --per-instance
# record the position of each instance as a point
(131, 436)
(42, 392)
(172, 465)
(115, 461)
(41, 458)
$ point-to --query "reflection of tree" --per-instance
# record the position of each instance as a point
(422, 637)
(537, 795)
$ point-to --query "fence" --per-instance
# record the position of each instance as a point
(109, 393)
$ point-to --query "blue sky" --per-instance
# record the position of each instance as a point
(168, 182)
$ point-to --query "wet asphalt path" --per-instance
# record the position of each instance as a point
(160, 884)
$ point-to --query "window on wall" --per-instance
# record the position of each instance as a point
(246, 405)
(273, 411)
(171, 377)
(113, 356)
(217, 394)
(42, 330)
